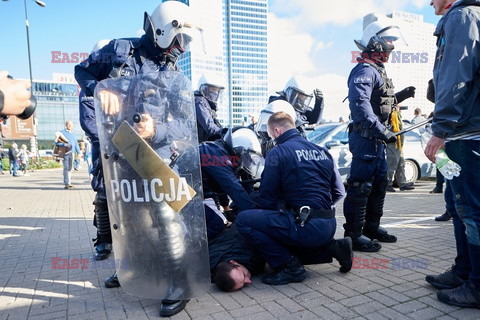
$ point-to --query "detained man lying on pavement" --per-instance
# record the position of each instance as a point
(304, 177)
(233, 260)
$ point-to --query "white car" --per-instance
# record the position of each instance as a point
(334, 137)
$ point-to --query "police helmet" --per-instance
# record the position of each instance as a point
(271, 108)
(210, 87)
(170, 26)
(243, 143)
(100, 44)
(299, 93)
(379, 37)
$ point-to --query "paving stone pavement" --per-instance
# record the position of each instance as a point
(40, 220)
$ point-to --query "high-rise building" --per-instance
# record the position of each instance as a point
(411, 64)
(57, 101)
(235, 50)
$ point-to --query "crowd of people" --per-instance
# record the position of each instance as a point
(288, 227)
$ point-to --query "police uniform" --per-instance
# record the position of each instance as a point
(302, 175)
(121, 57)
(208, 126)
(218, 175)
(371, 98)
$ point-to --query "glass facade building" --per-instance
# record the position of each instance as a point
(245, 29)
(56, 103)
(235, 51)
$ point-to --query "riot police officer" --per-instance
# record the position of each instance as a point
(167, 36)
(299, 92)
(304, 177)
(371, 96)
(207, 97)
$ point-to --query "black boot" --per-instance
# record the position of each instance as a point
(380, 234)
(364, 244)
(290, 272)
(341, 250)
(354, 210)
(112, 282)
(170, 307)
(103, 242)
(437, 189)
(376, 200)
(444, 217)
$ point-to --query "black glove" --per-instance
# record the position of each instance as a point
(431, 91)
(408, 92)
(318, 94)
(387, 136)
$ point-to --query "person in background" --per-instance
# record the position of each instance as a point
(253, 122)
(23, 156)
(395, 159)
(418, 117)
(207, 98)
(13, 157)
(68, 158)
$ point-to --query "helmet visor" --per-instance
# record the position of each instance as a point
(298, 99)
(183, 41)
(211, 93)
(252, 163)
(392, 34)
(261, 125)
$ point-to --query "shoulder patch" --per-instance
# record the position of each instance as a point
(363, 79)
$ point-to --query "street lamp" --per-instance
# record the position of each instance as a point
(41, 4)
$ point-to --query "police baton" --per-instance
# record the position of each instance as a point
(415, 126)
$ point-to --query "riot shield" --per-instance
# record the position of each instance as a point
(151, 167)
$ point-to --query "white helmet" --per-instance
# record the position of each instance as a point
(271, 108)
(210, 87)
(246, 146)
(379, 37)
(100, 44)
(299, 92)
(170, 21)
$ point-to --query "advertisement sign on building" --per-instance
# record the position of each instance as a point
(18, 129)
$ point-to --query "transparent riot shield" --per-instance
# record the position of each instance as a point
(151, 167)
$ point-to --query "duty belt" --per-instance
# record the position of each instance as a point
(362, 131)
(306, 213)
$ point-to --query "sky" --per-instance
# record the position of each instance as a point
(312, 38)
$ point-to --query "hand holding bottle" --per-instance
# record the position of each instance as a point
(446, 166)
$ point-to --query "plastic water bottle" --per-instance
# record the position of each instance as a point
(447, 167)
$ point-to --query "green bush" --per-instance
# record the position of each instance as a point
(40, 164)
(45, 164)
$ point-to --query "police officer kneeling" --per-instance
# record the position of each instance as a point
(304, 177)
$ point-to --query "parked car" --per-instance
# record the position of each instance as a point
(48, 153)
(334, 137)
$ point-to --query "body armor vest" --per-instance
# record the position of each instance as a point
(383, 101)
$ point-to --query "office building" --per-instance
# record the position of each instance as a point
(235, 50)
(57, 101)
(411, 64)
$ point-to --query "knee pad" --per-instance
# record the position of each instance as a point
(360, 189)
